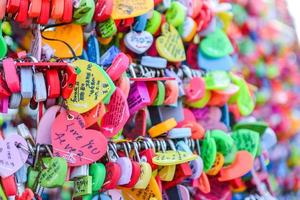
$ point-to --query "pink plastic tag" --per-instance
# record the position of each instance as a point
(44, 127)
(12, 156)
(4, 105)
(70, 140)
(195, 90)
(117, 114)
(138, 97)
(118, 66)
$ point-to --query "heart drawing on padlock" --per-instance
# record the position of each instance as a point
(13, 154)
(73, 142)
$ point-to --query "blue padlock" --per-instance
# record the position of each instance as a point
(140, 23)
(225, 63)
(108, 57)
(93, 49)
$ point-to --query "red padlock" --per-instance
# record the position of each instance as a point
(113, 174)
(53, 83)
(22, 14)
(9, 185)
(69, 81)
(103, 10)
(183, 171)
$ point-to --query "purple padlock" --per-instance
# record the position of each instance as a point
(138, 97)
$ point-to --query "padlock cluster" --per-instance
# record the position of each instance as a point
(25, 82)
(137, 99)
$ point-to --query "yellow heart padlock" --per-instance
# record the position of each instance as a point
(169, 45)
(92, 86)
(167, 173)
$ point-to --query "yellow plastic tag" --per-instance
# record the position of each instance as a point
(92, 86)
(127, 9)
(151, 192)
(173, 158)
(72, 34)
(167, 173)
(169, 45)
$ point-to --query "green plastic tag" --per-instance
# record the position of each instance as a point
(216, 44)
(107, 28)
(223, 141)
(230, 157)
(55, 173)
(243, 98)
(208, 152)
(247, 140)
(259, 127)
(217, 80)
(82, 186)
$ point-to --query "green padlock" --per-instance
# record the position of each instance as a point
(154, 22)
(259, 127)
(243, 97)
(82, 186)
(159, 100)
(85, 12)
(247, 140)
(32, 176)
(208, 152)
(98, 173)
(3, 46)
(107, 28)
(230, 157)
(223, 141)
(217, 80)
(55, 173)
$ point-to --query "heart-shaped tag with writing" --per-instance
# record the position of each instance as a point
(169, 45)
(117, 114)
(70, 140)
(12, 156)
(138, 42)
(55, 173)
(127, 9)
(92, 86)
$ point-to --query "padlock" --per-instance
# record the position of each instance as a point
(98, 173)
(166, 173)
(148, 153)
(146, 171)
(136, 168)
(182, 172)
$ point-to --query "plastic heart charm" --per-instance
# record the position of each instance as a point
(117, 114)
(70, 140)
(55, 173)
(216, 45)
(92, 86)
(138, 42)
(12, 158)
(169, 45)
(127, 9)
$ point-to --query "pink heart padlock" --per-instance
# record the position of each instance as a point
(70, 140)
(117, 114)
